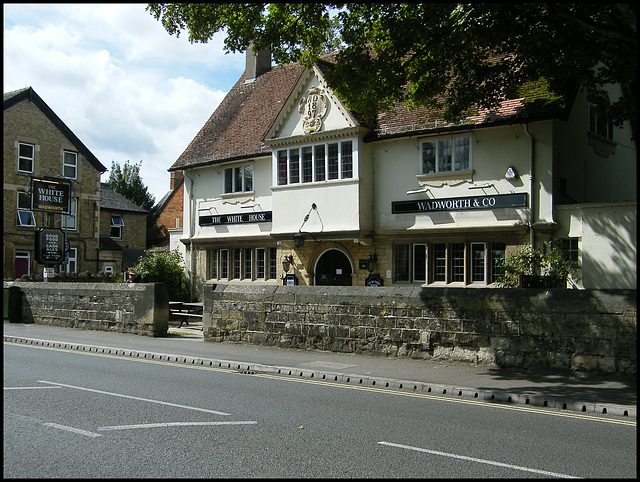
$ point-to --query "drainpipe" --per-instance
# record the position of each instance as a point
(192, 262)
(532, 143)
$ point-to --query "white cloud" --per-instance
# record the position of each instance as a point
(122, 84)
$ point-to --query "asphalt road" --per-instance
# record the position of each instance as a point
(74, 414)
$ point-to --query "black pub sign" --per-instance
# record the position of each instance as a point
(472, 203)
(50, 246)
(50, 195)
(241, 218)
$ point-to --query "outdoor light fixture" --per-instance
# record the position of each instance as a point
(371, 262)
(287, 261)
(298, 240)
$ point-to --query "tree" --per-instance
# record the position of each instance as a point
(473, 55)
(127, 182)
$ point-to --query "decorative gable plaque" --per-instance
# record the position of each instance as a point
(313, 107)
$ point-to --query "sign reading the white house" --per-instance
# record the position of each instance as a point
(460, 204)
(50, 195)
(242, 218)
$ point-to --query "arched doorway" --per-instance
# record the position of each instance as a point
(333, 269)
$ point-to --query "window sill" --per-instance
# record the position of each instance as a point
(602, 146)
(440, 179)
(238, 197)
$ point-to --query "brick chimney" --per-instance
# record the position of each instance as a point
(257, 63)
(176, 176)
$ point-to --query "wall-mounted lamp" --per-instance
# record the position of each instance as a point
(287, 261)
(298, 240)
(511, 173)
(371, 262)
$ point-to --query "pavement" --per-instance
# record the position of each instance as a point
(602, 395)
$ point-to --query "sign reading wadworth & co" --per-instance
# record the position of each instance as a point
(50, 195)
(242, 218)
(460, 203)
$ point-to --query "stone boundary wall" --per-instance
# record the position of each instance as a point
(137, 308)
(578, 330)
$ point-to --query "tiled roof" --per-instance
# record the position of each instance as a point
(237, 127)
(109, 199)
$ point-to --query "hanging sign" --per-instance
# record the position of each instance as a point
(50, 244)
(373, 280)
(290, 280)
(50, 195)
(460, 204)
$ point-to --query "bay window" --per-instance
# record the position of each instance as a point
(444, 263)
(316, 163)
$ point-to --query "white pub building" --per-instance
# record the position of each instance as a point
(284, 185)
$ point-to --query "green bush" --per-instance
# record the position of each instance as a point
(554, 265)
(162, 266)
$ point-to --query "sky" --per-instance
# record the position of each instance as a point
(125, 87)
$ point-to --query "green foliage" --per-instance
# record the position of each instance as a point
(166, 267)
(127, 182)
(553, 264)
(471, 54)
(155, 234)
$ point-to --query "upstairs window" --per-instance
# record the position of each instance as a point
(317, 163)
(25, 215)
(26, 157)
(598, 123)
(446, 155)
(69, 220)
(70, 165)
(116, 227)
(238, 179)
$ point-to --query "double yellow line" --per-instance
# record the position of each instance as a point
(386, 391)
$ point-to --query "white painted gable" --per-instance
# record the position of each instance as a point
(312, 108)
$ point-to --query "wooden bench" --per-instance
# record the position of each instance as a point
(185, 311)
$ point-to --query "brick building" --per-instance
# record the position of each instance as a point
(38, 145)
(170, 206)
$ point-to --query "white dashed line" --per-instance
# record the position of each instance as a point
(481, 461)
(79, 431)
(149, 400)
(174, 424)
